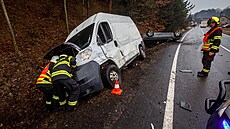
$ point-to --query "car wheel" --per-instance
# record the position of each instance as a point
(142, 53)
(110, 75)
(149, 33)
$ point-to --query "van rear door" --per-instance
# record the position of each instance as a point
(108, 45)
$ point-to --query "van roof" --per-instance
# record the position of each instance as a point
(99, 17)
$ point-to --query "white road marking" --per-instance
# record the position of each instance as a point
(152, 126)
(220, 45)
(185, 35)
(225, 48)
(226, 35)
(168, 116)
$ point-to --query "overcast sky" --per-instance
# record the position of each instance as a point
(209, 4)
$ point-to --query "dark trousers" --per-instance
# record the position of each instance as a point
(47, 90)
(207, 60)
(66, 85)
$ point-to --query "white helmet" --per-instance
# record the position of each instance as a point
(54, 59)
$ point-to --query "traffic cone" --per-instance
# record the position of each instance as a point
(117, 90)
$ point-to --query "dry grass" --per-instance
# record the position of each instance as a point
(226, 31)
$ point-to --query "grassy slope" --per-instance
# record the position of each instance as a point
(39, 26)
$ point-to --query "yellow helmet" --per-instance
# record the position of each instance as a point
(215, 19)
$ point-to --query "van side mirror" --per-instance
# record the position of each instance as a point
(210, 109)
(99, 42)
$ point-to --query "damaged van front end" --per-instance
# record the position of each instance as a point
(87, 76)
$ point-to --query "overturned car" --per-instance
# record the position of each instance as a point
(102, 45)
(151, 37)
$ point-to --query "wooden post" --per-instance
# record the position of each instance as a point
(66, 17)
(88, 8)
(110, 5)
(11, 30)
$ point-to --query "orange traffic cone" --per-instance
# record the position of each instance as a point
(117, 90)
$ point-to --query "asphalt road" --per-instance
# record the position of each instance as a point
(149, 86)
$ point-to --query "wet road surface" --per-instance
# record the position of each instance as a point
(142, 104)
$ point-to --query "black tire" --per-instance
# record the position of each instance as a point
(142, 55)
(149, 33)
(110, 73)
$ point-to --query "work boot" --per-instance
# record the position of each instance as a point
(72, 108)
(202, 74)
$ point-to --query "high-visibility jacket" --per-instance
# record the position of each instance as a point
(212, 40)
(62, 69)
(45, 76)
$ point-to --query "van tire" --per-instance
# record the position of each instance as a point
(110, 73)
(142, 55)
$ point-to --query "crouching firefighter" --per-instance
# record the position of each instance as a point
(44, 83)
(211, 40)
(63, 82)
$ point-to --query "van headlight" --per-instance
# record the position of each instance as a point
(86, 54)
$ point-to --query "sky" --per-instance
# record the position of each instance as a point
(208, 4)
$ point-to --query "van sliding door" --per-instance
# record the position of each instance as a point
(109, 47)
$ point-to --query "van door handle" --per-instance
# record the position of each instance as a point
(115, 43)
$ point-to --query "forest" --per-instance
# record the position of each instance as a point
(39, 25)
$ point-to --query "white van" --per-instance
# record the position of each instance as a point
(103, 44)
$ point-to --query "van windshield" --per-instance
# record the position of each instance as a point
(83, 38)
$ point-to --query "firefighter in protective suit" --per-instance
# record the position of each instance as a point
(63, 82)
(211, 40)
(44, 83)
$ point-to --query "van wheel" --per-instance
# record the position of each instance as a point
(110, 75)
(142, 53)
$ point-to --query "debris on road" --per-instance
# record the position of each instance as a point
(185, 71)
(185, 106)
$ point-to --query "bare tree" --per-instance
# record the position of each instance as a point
(11, 30)
(66, 17)
(110, 5)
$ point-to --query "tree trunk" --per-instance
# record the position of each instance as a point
(83, 9)
(88, 8)
(110, 5)
(66, 17)
(11, 30)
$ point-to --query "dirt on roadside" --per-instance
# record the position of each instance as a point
(226, 31)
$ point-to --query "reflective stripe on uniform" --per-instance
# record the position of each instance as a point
(48, 73)
(206, 46)
(217, 37)
(42, 77)
(62, 103)
(215, 47)
(48, 102)
(205, 70)
(64, 62)
(55, 97)
(72, 103)
(44, 82)
(61, 72)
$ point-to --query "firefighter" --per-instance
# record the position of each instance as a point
(63, 82)
(211, 45)
(44, 83)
